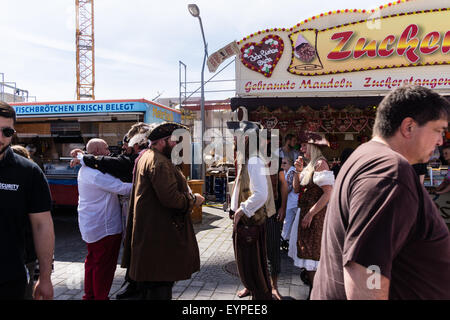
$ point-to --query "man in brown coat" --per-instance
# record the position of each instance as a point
(160, 244)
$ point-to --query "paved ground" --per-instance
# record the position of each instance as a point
(212, 282)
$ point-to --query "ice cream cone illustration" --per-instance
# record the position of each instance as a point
(304, 48)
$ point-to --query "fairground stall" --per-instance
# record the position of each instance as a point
(55, 128)
(328, 73)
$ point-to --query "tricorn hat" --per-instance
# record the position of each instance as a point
(139, 139)
(244, 126)
(164, 130)
(313, 138)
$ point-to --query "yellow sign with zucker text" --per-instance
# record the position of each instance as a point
(403, 40)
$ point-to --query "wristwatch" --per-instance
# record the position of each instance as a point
(193, 197)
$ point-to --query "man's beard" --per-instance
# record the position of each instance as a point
(167, 150)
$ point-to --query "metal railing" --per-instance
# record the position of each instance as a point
(15, 95)
(183, 84)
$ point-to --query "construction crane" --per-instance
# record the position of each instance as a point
(85, 49)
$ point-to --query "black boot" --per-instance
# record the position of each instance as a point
(155, 290)
(304, 277)
(309, 294)
(306, 280)
(130, 291)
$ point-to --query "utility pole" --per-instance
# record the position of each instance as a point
(85, 49)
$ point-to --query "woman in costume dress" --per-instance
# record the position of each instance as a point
(314, 185)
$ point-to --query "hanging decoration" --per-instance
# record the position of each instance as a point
(343, 124)
(270, 123)
(263, 56)
(358, 123)
(299, 125)
(283, 125)
(313, 125)
(328, 124)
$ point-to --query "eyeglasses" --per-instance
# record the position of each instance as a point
(7, 132)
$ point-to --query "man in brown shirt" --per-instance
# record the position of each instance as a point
(383, 236)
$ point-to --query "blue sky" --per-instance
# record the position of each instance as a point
(138, 43)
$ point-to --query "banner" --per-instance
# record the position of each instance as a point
(216, 59)
(336, 83)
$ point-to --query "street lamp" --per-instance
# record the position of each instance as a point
(195, 12)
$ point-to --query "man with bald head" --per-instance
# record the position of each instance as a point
(99, 218)
(120, 167)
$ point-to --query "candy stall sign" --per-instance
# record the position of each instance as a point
(406, 40)
(337, 53)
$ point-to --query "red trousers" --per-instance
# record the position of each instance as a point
(99, 267)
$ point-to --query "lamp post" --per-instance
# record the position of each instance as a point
(195, 12)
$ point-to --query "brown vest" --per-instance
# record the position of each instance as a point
(267, 210)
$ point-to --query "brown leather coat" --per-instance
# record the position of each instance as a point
(160, 243)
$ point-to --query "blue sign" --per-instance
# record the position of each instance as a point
(152, 113)
(94, 107)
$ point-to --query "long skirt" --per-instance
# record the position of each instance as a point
(308, 264)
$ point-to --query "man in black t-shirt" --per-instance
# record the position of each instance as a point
(383, 236)
(24, 194)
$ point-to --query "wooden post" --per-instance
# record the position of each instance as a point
(196, 187)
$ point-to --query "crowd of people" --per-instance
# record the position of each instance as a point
(371, 218)
(138, 200)
(367, 229)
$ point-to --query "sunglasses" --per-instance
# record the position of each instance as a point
(7, 132)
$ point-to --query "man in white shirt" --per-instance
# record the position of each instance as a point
(99, 217)
(252, 201)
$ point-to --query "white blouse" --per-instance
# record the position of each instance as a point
(323, 178)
